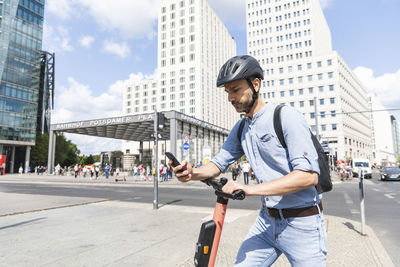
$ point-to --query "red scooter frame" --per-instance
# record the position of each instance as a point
(210, 232)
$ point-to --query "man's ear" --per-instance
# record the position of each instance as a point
(257, 84)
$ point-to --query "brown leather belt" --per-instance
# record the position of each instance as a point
(300, 212)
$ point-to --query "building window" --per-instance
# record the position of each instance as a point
(333, 113)
(290, 80)
(299, 67)
(322, 101)
(319, 76)
(329, 64)
(291, 92)
(331, 87)
(301, 104)
(282, 93)
(310, 90)
(309, 65)
(301, 91)
(311, 103)
(319, 64)
(292, 104)
(321, 88)
(309, 77)
(322, 114)
(323, 127)
(334, 128)
(280, 70)
(330, 75)
(312, 115)
(332, 100)
(300, 79)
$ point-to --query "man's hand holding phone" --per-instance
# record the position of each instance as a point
(183, 172)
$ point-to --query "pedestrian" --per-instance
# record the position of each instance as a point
(97, 170)
(135, 172)
(20, 170)
(235, 171)
(246, 171)
(148, 173)
(76, 170)
(107, 170)
(117, 172)
(142, 172)
(290, 219)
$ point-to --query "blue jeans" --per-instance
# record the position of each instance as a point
(246, 177)
(107, 173)
(301, 239)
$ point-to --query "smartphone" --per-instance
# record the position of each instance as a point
(175, 162)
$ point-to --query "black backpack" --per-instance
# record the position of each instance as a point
(324, 178)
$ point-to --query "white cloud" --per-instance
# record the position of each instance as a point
(129, 19)
(56, 39)
(86, 41)
(76, 102)
(122, 50)
(60, 8)
(385, 86)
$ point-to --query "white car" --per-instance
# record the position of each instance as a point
(365, 167)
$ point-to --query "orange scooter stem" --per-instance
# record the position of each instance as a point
(218, 218)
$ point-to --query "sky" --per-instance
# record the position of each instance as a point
(100, 46)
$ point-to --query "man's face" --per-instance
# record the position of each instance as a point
(239, 94)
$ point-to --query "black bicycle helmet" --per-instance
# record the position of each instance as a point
(239, 67)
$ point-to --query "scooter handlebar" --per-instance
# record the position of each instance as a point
(218, 184)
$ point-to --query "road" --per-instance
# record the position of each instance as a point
(382, 202)
(382, 209)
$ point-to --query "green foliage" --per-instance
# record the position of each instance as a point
(90, 159)
(67, 153)
(39, 152)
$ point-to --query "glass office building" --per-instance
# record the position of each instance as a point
(21, 30)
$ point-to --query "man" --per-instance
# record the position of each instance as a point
(246, 170)
(291, 219)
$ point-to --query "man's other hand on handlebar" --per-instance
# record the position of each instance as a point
(232, 186)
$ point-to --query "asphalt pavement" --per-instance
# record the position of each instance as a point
(52, 229)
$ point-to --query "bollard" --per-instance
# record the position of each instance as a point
(362, 210)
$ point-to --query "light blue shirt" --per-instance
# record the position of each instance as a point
(268, 159)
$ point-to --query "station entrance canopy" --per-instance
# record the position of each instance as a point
(137, 128)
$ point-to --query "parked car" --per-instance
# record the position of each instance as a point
(390, 174)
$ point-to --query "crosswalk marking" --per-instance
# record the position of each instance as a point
(347, 198)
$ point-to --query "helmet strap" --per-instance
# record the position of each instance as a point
(254, 96)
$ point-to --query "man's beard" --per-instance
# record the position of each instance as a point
(243, 106)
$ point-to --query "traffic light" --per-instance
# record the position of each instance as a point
(160, 120)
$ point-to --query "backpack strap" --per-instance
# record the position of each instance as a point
(278, 125)
(240, 130)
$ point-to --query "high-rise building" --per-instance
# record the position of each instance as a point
(292, 41)
(193, 44)
(383, 145)
(396, 136)
(21, 24)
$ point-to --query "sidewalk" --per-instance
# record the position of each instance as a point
(113, 233)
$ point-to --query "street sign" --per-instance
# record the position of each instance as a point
(186, 146)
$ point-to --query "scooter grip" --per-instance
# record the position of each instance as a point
(239, 195)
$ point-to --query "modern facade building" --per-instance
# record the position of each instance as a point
(20, 51)
(292, 41)
(192, 45)
(396, 136)
(382, 133)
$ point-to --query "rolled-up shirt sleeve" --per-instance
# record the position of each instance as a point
(230, 152)
(301, 150)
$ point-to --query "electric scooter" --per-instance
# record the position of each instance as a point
(210, 232)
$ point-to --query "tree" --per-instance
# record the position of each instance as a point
(90, 159)
(66, 154)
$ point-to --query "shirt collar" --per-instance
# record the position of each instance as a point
(268, 106)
